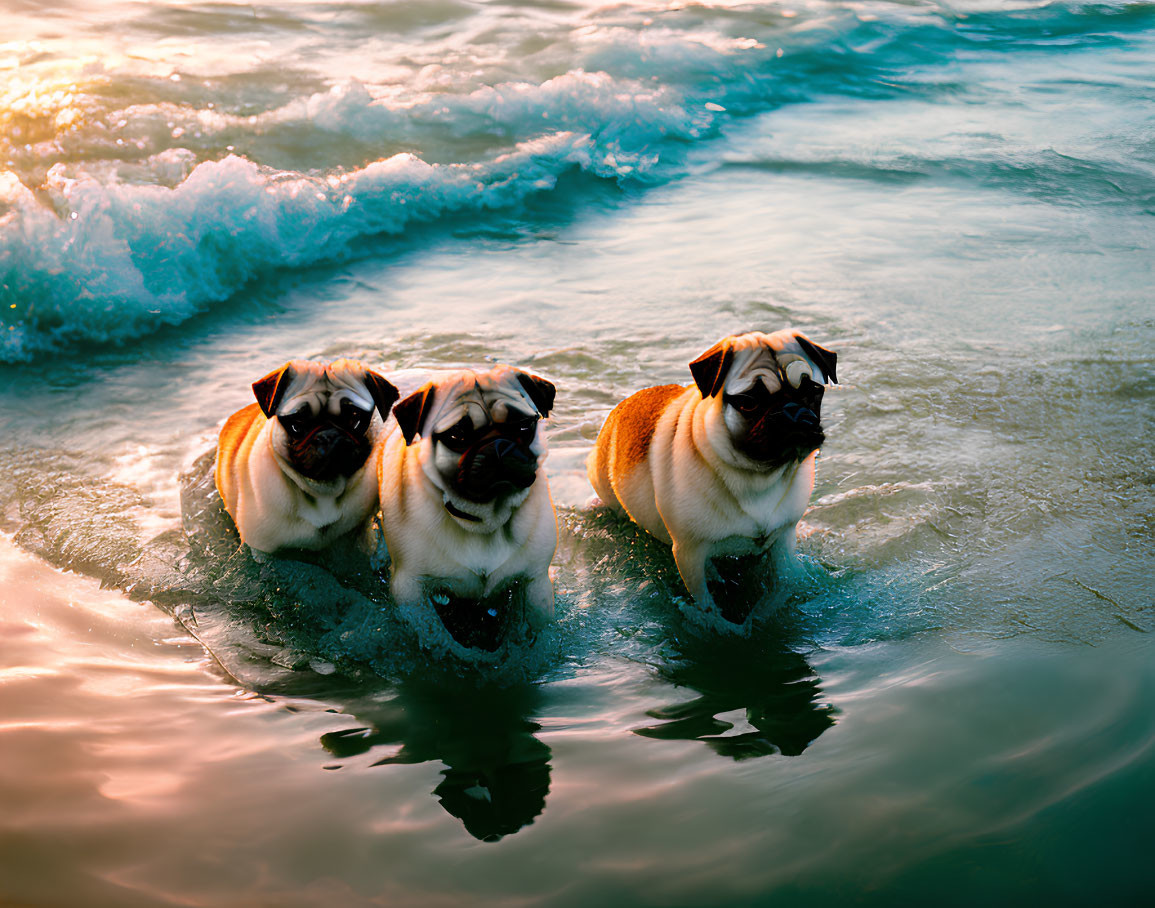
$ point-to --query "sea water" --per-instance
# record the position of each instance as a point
(952, 703)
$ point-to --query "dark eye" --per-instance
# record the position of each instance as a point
(457, 437)
(296, 424)
(353, 417)
(525, 431)
(743, 403)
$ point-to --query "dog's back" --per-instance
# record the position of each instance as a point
(237, 436)
(623, 445)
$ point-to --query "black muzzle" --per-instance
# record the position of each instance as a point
(493, 467)
(328, 452)
(788, 426)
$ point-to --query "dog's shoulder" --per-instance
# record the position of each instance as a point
(235, 439)
(634, 421)
(238, 426)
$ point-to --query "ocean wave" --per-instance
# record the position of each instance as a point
(106, 261)
(125, 211)
(105, 251)
(115, 244)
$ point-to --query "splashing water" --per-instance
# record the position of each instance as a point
(957, 198)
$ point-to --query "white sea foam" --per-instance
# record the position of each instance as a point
(595, 103)
(134, 199)
(164, 198)
(109, 250)
(104, 260)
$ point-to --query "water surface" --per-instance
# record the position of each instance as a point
(954, 701)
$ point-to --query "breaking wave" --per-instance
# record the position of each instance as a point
(158, 209)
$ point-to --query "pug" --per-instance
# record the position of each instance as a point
(294, 469)
(466, 512)
(725, 466)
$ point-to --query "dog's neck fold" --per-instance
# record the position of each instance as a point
(475, 517)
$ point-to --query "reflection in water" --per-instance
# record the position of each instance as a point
(497, 773)
(777, 689)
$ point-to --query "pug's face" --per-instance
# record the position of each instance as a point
(321, 415)
(770, 389)
(480, 436)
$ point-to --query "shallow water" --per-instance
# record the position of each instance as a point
(954, 700)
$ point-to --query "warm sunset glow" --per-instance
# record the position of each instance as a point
(563, 453)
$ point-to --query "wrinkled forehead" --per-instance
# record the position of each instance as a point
(484, 397)
(761, 357)
(324, 386)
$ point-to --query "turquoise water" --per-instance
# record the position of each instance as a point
(955, 701)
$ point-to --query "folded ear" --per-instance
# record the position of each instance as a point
(411, 412)
(709, 369)
(383, 393)
(270, 389)
(824, 359)
(540, 391)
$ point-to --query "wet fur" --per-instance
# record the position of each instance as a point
(665, 458)
(273, 506)
(432, 550)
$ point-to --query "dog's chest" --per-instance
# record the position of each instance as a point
(482, 563)
(762, 513)
(759, 523)
(320, 513)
